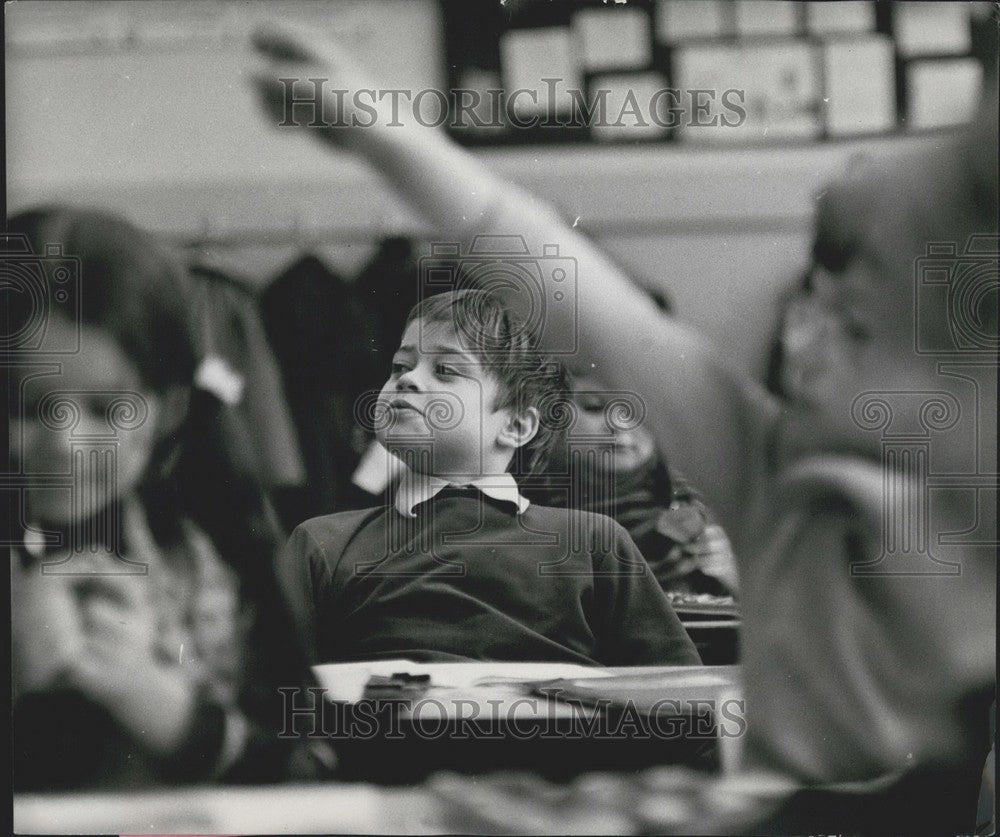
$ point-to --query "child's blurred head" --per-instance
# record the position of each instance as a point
(129, 380)
(884, 310)
(468, 393)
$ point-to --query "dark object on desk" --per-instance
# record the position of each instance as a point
(556, 750)
(399, 687)
(694, 606)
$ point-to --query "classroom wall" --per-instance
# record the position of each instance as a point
(171, 136)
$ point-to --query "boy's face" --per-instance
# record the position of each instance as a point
(439, 406)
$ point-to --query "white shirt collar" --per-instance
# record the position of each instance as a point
(415, 489)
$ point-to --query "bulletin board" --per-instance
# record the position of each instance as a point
(712, 71)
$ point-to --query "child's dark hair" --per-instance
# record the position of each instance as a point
(131, 288)
(507, 350)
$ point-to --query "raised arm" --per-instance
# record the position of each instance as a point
(704, 416)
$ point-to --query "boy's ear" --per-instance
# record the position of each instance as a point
(520, 428)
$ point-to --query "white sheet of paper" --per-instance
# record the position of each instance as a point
(376, 469)
(780, 82)
(942, 93)
(766, 17)
(932, 28)
(860, 90)
(531, 55)
(846, 16)
(333, 808)
(680, 19)
(616, 37)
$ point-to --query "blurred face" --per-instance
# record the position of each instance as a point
(90, 424)
(438, 404)
(633, 446)
(853, 335)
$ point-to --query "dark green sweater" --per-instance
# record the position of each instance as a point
(468, 579)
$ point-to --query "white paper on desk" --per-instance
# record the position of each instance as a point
(346, 681)
(316, 809)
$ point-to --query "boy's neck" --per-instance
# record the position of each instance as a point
(463, 473)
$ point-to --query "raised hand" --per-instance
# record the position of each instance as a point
(294, 51)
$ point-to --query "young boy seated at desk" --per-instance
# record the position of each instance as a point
(461, 566)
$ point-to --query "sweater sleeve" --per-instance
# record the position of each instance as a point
(306, 571)
(305, 578)
(636, 624)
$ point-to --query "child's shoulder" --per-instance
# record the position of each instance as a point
(585, 521)
(335, 526)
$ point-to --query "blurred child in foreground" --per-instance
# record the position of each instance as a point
(149, 637)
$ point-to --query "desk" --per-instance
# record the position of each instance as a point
(365, 808)
(483, 717)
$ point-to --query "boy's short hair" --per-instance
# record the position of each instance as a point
(504, 346)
